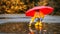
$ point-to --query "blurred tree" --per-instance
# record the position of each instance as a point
(55, 4)
(20, 6)
(12, 6)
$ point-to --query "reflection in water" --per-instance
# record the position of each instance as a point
(31, 31)
(38, 28)
(22, 28)
(45, 29)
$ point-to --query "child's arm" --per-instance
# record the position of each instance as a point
(32, 20)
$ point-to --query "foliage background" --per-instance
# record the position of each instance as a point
(21, 6)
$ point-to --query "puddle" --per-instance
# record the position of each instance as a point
(22, 28)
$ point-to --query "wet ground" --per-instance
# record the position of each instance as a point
(22, 28)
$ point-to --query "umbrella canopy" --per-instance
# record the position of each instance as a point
(44, 9)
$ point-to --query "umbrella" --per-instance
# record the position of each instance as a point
(44, 9)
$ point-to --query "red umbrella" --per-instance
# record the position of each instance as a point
(44, 9)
